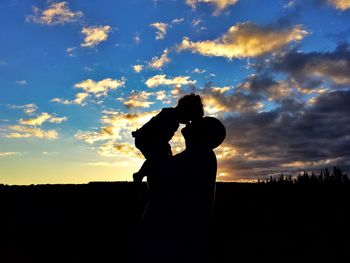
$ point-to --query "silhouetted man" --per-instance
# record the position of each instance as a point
(177, 219)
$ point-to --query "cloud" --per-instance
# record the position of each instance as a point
(266, 87)
(94, 35)
(21, 82)
(158, 63)
(245, 40)
(2, 154)
(220, 5)
(80, 98)
(162, 29)
(177, 20)
(179, 81)
(27, 108)
(55, 14)
(91, 87)
(161, 95)
(115, 126)
(125, 150)
(40, 119)
(137, 38)
(115, 131)
(138, 100)
(70, 51)
(314, 68)
(199, 71)
(217, 102)
(195, 22)
(21, 131)
(340, 4)
(100, 88)
(137, 68)
(88, 69)
(290, 137)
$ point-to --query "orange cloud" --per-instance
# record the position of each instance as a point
(162, 29)
(138, 100)
(94, 35)
(137, 68)
(19, 131)
(40, 119)
(245, 40)
(340, 4)
(158, 63)
(56, 13)
(100, 88)
(115, 126)
(220, 5)
(79, 99)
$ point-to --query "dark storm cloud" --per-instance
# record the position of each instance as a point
(266, 87)
(316, 135)
(314, 68)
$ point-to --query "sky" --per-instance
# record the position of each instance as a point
(76, 77)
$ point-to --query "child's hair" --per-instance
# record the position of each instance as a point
(192, 105)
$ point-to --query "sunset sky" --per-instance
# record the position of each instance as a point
(77, 77)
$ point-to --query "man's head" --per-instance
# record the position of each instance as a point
(205, 133)
(190, 108)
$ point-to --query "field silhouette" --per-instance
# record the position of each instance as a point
(275, 221)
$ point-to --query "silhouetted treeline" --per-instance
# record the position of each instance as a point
(337, 176)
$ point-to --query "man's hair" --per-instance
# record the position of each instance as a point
(192, 105)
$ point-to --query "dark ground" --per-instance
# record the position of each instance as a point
(253, 223)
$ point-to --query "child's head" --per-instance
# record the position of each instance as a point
(190, 107)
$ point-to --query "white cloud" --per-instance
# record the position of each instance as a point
(220, 5)
(70, 51)
(115, 130)
(245, 40)
(94, 35)
(138, 100)
(56, 13)
(195, 22)
(162, 29)
(95, 88)
(177, 20)
(40, 119)
(137, 68)
(88, 69)
(21, 82)
(158, 63)
(79, 99)
(199, 71)
(27, 108)
(2, 154)
(178, 81)
(20, 131)
(161, 95)
(137, 38)
(100, 88)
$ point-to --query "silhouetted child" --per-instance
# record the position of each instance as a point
(152, 139)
